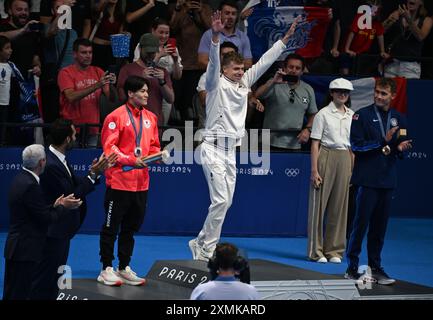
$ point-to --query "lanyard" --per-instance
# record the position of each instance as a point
(388, 122)
(137, 136)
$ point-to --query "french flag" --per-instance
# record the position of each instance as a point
(363, 93)
(268, 23)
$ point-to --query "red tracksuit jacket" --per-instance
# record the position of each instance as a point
(118, 136)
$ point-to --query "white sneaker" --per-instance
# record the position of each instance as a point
(109, 277)
(335, 260)
(195, 249)
(203, 256)
(322, 260)
(130, 277)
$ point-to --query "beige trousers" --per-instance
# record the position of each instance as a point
(332, 198)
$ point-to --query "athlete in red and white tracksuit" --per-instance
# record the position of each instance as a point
(227, 89)
(126, 194)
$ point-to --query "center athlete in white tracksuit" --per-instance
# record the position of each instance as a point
(226, 109)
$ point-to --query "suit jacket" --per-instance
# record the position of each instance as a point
(56, 181)
(29, 219)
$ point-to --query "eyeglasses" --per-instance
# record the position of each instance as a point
(292, 95)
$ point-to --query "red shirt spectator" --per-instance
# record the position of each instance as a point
(80, 86)
(85, 110)
(363, 39)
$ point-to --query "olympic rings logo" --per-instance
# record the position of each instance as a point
(292, 172)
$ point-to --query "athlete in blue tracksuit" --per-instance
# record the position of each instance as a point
(377, 146)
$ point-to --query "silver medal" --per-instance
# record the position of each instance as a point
(137, 151)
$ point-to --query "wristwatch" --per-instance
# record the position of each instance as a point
(308, 128)
(162, 82)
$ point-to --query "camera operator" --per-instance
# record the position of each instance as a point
(226, 268)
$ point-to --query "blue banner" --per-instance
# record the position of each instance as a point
(266, 202)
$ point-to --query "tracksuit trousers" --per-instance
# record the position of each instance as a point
(219, 167)
(373, 206)
(124, 210)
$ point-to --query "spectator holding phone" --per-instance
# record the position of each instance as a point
(160, 85)
(25, 38)
(25, 41)
(287, 102)
(407, 28)
(80, 88)
(331, 167)
(167, 57)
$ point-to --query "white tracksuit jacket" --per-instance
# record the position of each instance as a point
(226, 109)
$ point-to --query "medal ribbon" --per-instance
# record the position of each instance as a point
(388, 122)
(137, 136)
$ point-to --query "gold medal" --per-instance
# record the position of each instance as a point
(386, 150)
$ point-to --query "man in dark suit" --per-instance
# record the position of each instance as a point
(59, 178)
(29, 220)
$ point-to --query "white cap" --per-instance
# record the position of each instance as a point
(341, 83)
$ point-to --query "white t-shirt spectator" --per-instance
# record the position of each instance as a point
(5, 83)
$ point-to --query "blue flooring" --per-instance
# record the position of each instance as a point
(407, 254)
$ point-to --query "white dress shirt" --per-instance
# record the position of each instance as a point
(61, 157)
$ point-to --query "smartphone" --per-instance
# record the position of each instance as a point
(150, 64)
(290, 78)
(35, 26)
(171, 42)
(112, 68)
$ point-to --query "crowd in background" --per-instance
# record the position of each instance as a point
(75, 75)
(50, 72)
